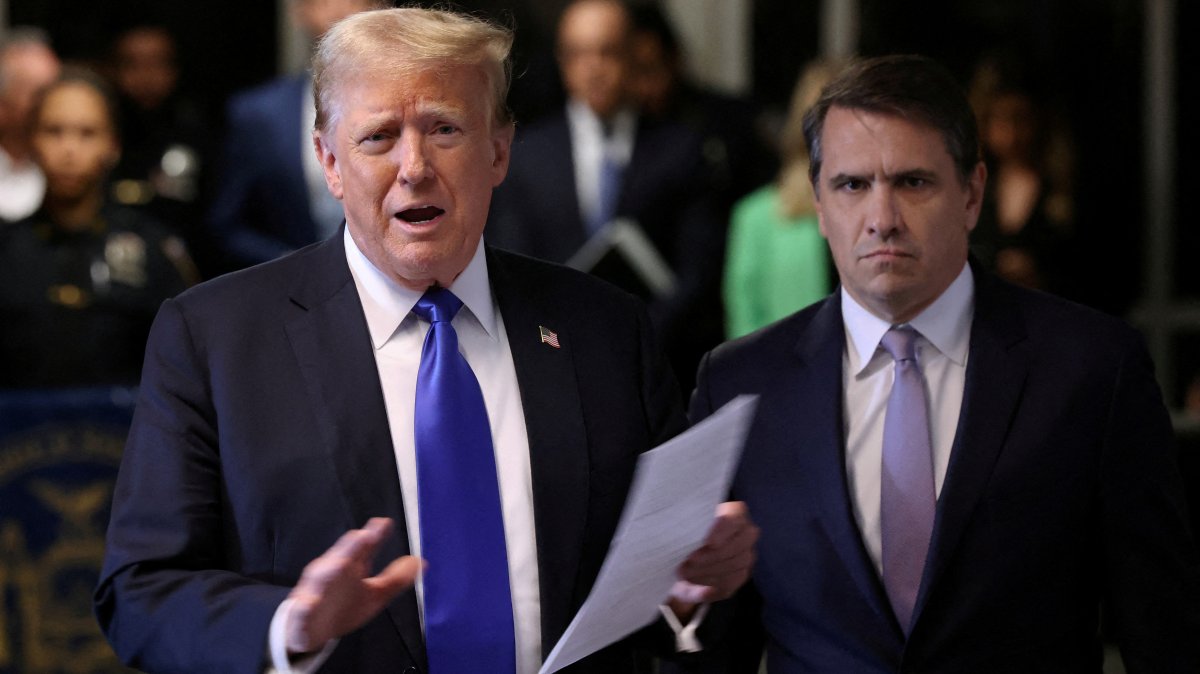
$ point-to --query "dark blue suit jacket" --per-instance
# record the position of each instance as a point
(261, 436)
(665, 189)
(1061, 497)
(261, 207)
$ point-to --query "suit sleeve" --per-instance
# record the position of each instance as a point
(732, 633)
(166, 599)
(1151, 569)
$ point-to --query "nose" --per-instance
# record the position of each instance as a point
(883, 212)
(414, 166)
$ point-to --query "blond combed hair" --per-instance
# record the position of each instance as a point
(401, 41)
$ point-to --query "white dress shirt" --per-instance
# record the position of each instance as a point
(590, 145)
(22, 187)
(867, 373)
(397, 336)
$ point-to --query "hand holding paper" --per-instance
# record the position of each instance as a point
(667, 533)
(721, 565)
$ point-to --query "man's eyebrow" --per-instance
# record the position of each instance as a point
(843, 177)
(923, 174)
(375, 120)
(440, 109)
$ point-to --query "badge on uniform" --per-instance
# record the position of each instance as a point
(125, 255)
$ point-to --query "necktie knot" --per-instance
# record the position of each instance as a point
(900, 343)
(437, 305)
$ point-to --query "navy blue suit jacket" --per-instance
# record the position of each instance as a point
(261, 207)
(665, 189)
(1061, 497)
(261, 436)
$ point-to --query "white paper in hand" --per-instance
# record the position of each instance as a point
(671, 505)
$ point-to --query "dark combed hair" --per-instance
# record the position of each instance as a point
(916, 88)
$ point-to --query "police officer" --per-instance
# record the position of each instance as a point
(81, 279)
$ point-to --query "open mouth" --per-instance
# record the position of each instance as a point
(420, 215)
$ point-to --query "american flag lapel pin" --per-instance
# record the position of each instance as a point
(548, 336)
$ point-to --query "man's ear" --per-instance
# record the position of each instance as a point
(502, 140)
(329, 164)
(819, 210)
(975, 188)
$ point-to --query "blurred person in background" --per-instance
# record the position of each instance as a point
(738, 159)
(164, 135)
(81, 279)
(27, 63)
(777, 261)
(270, 195)
(1026, 222)
(597, 163)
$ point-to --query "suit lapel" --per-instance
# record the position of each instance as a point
(996, 371)
(554, 425)
(333, 348)
(820, 349)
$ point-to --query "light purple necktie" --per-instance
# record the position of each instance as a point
(908, 500)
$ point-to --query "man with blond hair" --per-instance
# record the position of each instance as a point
(475, 409)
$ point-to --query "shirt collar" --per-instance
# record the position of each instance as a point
(946, 324)
(386, 303)
(618, 143)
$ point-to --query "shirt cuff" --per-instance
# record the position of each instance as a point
(277, 647)
(685, 635)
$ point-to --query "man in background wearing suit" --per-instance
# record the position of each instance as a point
(598, 159)
(285, 405)
(979, 500)
(271, 197)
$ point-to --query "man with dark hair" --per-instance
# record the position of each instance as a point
(951, 474)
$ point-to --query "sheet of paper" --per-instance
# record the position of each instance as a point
(671, 504)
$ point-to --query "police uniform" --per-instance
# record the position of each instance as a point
(76, 306)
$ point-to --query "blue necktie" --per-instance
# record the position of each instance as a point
(908, 501)
(468, 606)
(611, 173)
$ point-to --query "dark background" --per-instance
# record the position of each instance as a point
(1088, 54)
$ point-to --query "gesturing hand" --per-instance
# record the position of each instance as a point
(335, 596)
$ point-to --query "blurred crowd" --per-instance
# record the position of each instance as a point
(117, 190)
